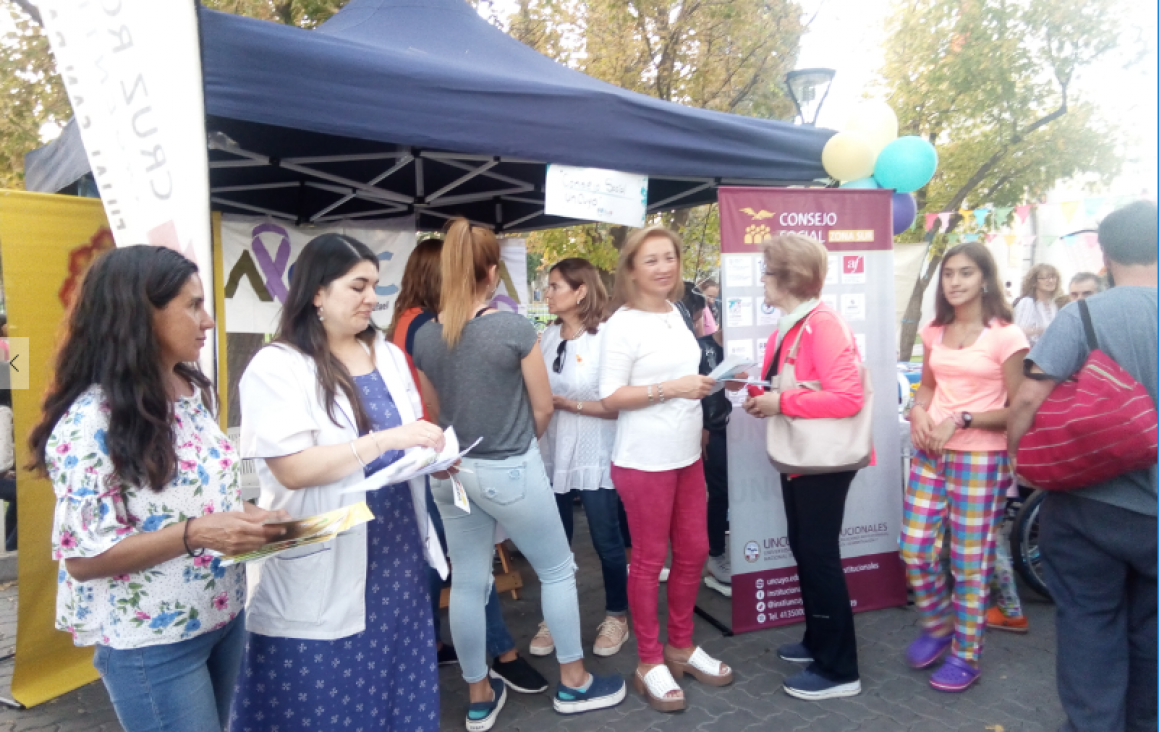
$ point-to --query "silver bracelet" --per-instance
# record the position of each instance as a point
(649, 394)
(355, 454)
(374, 439)
(660, 386)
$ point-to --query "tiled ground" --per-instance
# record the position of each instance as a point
(1016, 692)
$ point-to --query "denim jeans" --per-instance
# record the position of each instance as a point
(175, 687)
(513, 492)
(499, 640)
(602, 507)
(716, 480)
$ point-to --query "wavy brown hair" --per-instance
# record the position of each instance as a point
(469, 253)
(994, 303)
(421, 282)
(323, 260)
(109, 341)
(576, 271)
(1030, 283)
(624, 289)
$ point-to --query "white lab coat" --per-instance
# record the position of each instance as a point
(316, 592)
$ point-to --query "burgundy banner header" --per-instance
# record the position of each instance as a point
(842, 219)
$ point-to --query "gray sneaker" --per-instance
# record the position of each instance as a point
(720, 569)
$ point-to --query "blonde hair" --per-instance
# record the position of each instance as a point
(797, 263)
(1030, 282)
(624, 290)
(469, 253)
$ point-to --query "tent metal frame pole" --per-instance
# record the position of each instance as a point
(472, 197)
(419, 209)
(455, 184)
(405, 160)
(696, 189)
(361, 157)
(420, 181)
(517, 199)
(254, 187)
(375, 195)
(520, 220)
(255, 209)
(496, 176)
(363, 214)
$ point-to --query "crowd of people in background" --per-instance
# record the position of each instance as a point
(612, 405)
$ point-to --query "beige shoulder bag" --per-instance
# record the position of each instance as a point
(799, 446)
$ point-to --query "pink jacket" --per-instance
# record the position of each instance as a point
(828, 354)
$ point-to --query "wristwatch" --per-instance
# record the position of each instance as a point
(967, 420)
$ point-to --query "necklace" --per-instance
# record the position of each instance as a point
(973, 331)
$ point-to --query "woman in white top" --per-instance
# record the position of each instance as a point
(1041, 294)
(649, 374)
(329, 402)
(577, 447)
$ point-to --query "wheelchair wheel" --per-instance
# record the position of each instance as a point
(1024, 549)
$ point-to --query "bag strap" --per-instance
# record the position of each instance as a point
(418, 322)
(774, 367)
(1088, 326)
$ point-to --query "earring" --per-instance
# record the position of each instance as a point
(321, 317)
(984, 289)
(579, 301)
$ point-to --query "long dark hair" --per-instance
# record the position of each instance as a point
(109, 341)
(421, 281)
(577, 271)
(994, 303)
(324, 259)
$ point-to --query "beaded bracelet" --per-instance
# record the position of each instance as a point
(660, 386)
(649, 395)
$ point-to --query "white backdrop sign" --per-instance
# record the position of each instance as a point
(512, 291)
(592, 194)
(258, 254)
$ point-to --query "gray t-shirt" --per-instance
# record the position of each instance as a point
(1127, 328)
(480, 383)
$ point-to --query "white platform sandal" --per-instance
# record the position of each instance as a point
(655, 686)
(702, 667)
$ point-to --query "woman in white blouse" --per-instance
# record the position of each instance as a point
(1036, 307)
(577, 447)
(649, 374)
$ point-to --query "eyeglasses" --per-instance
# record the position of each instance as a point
(557, 367)
(1046, 277)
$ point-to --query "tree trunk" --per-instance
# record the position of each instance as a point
(913, 311)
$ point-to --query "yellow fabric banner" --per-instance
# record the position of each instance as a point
(47, 243)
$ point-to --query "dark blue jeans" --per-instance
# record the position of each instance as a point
(716, 481)
(175, 687)
(499, 640)
(603, 510)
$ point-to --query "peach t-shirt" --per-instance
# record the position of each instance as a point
(970, 380)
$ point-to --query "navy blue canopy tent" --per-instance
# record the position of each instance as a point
(395, 107)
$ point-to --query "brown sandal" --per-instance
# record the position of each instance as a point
(655, 685)
(702, 667)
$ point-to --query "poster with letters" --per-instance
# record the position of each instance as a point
(855, 226)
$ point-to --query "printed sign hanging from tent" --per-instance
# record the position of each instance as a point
(855, 226)
(258, 254)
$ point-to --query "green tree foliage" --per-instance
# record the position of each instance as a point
(725, 56)
(31, 94)
(990, 83)
(302, 13)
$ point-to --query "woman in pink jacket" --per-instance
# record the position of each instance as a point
(814, 504)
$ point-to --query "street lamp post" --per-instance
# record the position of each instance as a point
(808, 89)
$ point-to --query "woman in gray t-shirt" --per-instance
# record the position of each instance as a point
(481, 372)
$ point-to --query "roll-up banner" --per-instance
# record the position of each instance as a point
(132, 71)
(855, 226)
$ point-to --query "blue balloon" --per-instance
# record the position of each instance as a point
(906, 164)
(861, 183)
(905, 210)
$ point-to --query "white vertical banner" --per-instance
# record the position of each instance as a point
(132, 69)
(511, 293)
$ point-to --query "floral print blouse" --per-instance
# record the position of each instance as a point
(172, 601)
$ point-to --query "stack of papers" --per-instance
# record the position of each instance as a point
(415, 464)
(312, 530)
(730, 367)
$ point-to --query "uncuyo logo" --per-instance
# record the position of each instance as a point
(752, 551)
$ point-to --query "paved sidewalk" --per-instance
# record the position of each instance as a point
(1016, 692)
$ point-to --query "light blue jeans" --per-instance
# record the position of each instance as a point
(513, 492)
(175, 687)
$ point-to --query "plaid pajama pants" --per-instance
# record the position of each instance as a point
(963, 490)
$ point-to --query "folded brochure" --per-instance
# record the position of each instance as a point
(311, 530)
(416, 463)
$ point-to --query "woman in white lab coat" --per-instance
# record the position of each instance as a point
(340, 629)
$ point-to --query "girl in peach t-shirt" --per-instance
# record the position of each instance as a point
(973, 362)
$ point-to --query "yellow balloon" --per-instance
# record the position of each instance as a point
(848, 156)
(876, 122)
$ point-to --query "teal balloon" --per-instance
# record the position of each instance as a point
(861, 183)
(906, 164)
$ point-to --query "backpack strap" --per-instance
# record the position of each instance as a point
(419, 321)
(1088, 326)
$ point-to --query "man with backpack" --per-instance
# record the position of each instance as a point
(1099, 542)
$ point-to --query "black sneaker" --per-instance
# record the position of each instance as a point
(519, 675)
(447, 655)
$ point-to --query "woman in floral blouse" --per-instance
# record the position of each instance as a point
(145, 483)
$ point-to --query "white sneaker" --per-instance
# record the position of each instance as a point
(612, 633)
(720, 587)
(721, 569)
(542, 644)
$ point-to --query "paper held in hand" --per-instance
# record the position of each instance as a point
(312, 530)
(416, 463)
(728, 369)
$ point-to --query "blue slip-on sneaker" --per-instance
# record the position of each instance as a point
(603, 693)
(481, 716)
(813, 687)
(795, 653)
